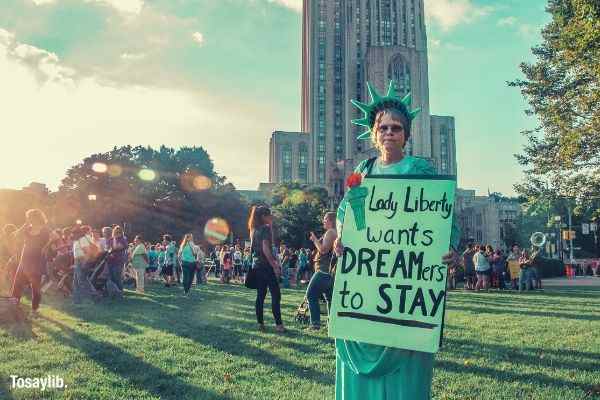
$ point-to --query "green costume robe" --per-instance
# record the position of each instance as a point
(366, 371)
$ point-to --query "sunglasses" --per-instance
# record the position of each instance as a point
(391, 128)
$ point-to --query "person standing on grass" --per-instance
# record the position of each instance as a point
(118, 256)
(237, 263)
(482, 268)
(85, 253)
(321, 282)
(525, 278)
(170, 260)
(514, 255)
(35, 235)
(366, 371)
(200, 266)
(139, 261)
(467, 258)
(302, 267)
(187, 256)
(267, 268)
(152, 262)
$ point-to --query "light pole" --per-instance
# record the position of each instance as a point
(570, 236)
(557, 220)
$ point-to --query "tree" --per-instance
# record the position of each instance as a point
(185, 194)
(299, 210)
(562, 87)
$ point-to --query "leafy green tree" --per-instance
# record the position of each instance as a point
(184, 195)
(562, 156)
(299, 210)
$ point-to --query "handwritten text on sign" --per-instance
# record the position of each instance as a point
(390, 286)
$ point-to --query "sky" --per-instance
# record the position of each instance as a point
(79, 77)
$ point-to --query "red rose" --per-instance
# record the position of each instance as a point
(354, 180)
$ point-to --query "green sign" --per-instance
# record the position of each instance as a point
(390, 284)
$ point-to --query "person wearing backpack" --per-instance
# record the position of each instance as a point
(321, 282)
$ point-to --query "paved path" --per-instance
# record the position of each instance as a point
(580, 281)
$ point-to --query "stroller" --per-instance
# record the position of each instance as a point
(100, 277)
(303, 311)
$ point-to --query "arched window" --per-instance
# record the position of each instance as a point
(399, 71)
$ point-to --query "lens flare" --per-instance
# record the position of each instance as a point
(202, 183)
(192, 181)
(115, 170)
(147, 174)
(99, 168)
(216, 231)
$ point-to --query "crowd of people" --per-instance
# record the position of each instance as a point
(484, 267)
(85, 263)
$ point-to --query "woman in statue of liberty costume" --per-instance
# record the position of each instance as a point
(367, 371)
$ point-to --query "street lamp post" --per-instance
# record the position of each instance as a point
(557, 220)
(570, 236)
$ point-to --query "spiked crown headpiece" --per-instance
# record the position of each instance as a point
(390, 100)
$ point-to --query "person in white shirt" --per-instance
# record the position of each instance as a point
(139, 261)
(85, 251)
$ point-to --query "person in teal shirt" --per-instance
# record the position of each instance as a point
(187, 256)
(367, 371)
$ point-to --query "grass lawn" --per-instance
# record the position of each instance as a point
(162, 346)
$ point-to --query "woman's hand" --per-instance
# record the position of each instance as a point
(338, 247)
(277, 269)
(451, 258)
(312, 237)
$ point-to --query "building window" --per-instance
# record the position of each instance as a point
(386, 23)
(444, 168)
(286, 159)
(413, 31)
(399, 71)
(303, 162)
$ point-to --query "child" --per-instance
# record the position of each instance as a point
(227, 265)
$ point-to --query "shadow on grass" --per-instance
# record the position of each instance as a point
(225, 330)
(499, 376)
(501, 310)
(137, 372)
(523, 355)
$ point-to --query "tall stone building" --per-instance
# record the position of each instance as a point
(289, 157)
(346, 43)
(484, 219)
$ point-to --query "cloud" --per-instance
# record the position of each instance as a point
(133, 56)
(295, 5)
(198, 38)
(451, 13)
(44, 64)
(57, 117)
(527, 30)
(508, 21)
(128, 7)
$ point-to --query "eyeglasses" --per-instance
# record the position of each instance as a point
(392, 128)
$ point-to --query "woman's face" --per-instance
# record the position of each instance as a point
(327, 224)
(390, 133)
(268, 219)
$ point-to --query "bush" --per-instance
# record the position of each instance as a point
(550, 267)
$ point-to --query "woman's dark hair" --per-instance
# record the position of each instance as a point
(257, 213)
